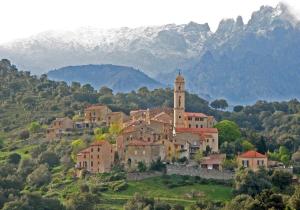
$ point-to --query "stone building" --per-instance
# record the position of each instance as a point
(102, 115)
(192, 131)
(253, 160)
(116, 118)
(60, 127)
(97, 158)
(142, 151)
(96, 114)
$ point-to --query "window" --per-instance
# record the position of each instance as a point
(190, 125)
(179, 88)
(197, 126)
(92, 164)
(92, 150)
(201, 126)
(98, 156)
(98, 149)
(197, 119)
(84, 156)
(179, 102)
(201, 119)
(260, 162)
(190, 118)
(245, 163)
(92, 156)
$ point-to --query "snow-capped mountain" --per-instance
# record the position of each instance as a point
(241, 62)
(153, 49)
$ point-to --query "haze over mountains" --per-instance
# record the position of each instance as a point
(240, 62)
(118, 78)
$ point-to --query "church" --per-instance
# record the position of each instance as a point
(193, 131)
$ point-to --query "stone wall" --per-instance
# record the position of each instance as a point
(201, 172)
(135, 176)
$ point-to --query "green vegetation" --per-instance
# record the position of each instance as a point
(34, 171)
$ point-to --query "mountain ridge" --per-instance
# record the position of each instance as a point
(118, 78)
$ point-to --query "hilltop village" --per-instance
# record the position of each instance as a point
(164, 133)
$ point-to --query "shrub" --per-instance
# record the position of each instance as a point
(39, 176)
(14, 158)
(24, 134)
(49, 157)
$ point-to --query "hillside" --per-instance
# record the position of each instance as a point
(118, 78)
(44, 170)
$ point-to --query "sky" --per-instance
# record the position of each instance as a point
(23, 18)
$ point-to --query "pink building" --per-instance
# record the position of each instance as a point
(97, 158)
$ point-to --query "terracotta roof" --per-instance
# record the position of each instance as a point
(213, 159)
(139, 143)
(86, 150)
(252, 154)
(98, 143)
(197, 130)
(194, 114)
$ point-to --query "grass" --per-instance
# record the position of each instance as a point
(154, 187)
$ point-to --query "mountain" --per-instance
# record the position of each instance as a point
(247, 62)
(153, 49)
(241, 62)
(118, 78)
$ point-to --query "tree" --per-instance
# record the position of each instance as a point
(247, 146)
(219, 104)
(114, 129)
(34, 127)
(230, 164)
(105, 91)
(199, 156)
(14, 158)
(269, 200)
(77, 145)
(238, 108)
(49, 158)
(250, 182)
(39, 176)
(281, 179)
(261, 145)
(139, 202)
(157, 165)
(294, 201)
(81, 201)
(240, 202)
(228, 131)
(141, 166)
(1, 142)
(24, 134)
(34, 201)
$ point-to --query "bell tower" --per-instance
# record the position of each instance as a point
(179, 101)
